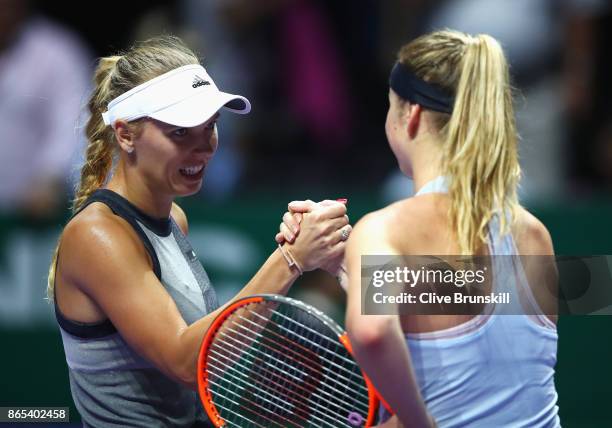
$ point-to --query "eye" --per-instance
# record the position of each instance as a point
(180, 132)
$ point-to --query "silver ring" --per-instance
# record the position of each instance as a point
(344, 235)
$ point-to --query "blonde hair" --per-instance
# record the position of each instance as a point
(113, 76)
(480, 141)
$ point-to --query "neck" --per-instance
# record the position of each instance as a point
(426, 162)
(421, 180)
(143, 196)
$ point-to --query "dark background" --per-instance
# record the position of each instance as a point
(294, 145)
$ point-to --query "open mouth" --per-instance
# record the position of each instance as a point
(193, 172)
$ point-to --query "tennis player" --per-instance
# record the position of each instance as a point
(451, 127)
(131, 298)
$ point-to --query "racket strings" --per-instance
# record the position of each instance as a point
(302, 409)
(271, 390)
(332, 341)
(228, 409)
(360, 395)
(295, 357)
(266, 376)
(355, 372)
(333, 354)
(272, 372)
(321, 410)
(257, 405)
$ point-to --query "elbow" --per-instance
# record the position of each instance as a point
(182, 369)
(186, 374)
(179, 372)
(369, 332)
(184, 360)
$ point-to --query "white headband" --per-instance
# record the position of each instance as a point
(185, 97)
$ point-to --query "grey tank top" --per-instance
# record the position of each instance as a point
(113, 386)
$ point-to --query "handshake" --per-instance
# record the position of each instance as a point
(315, 234)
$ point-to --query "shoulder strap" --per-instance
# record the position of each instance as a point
(124, 209)
(437, 185)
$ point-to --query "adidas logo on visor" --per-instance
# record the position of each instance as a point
(198, 81)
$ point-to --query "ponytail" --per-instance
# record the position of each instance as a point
(479, 136)
(481, 146)
(99, 152)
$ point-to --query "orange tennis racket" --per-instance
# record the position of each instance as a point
(271, 361)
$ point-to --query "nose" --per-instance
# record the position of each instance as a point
(206, 143)
(205, 147)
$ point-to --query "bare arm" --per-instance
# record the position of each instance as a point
(378, 341)
(535, 246)
(105, 258)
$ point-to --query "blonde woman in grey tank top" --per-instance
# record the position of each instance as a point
(132, 301)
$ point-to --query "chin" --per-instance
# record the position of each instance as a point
(182, 186)
(191, 191)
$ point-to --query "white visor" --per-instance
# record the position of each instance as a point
(185, 97)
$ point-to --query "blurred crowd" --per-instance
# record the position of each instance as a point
(316, 74)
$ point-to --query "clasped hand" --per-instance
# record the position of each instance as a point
(316, 234)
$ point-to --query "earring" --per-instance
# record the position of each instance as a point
(130, 149)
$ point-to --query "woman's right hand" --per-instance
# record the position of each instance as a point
(320, 242)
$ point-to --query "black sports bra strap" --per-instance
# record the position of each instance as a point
(124, 209)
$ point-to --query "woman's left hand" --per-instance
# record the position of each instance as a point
(290, 226)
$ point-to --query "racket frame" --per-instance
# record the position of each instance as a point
(203, 384)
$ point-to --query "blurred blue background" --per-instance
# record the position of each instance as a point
(316, 73)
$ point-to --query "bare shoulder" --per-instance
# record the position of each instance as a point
(420, 210)
(406, 211)
(179, 216)
(419, 225)
(531, 235)
(108, 263)
(97, 241)
(371, 232)
(387, 229)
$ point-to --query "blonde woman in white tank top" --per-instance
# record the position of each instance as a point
(451, 127)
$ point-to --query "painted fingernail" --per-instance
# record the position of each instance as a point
(342, 200)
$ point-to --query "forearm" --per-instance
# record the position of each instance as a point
(274, 277)
(386, 361)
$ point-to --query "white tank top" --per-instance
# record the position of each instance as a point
(494, 370)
